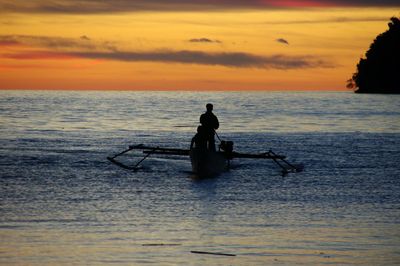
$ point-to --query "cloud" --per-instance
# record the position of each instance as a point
(238, 60)
(59, 48)
(281, 40)
(84, 37)
(8, 43)
(39, 55)
(233, 59)
(82, 42)
(102, 6)
(330, 20)
(204, 40)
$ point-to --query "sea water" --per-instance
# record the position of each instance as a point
(64, 203)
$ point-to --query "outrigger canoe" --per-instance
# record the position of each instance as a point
(207, 163)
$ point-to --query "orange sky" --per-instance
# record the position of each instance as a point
(224, 46)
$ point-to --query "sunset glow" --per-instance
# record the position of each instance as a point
(193, 45)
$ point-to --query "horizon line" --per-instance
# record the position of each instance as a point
(183, 90)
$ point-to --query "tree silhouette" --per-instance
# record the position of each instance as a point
(379, 72)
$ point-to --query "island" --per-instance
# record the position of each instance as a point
(379, 71)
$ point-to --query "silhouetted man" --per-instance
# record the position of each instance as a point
(199, 141)
(210, 123)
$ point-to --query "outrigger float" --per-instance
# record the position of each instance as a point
(207, 163)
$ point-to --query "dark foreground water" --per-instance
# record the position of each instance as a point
(63, 203)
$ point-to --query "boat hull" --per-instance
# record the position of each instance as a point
(207, 163)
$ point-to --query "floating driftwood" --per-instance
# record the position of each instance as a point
(212, 253)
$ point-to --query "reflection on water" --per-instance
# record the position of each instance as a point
(63, 203)
(271, 112)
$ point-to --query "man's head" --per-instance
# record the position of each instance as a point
(209, 107)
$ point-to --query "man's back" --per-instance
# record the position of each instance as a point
(209, 121)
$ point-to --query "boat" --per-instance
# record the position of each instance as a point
(207, 163)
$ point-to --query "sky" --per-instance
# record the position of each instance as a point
(186, 44)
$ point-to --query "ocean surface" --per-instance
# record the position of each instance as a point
(63, 203)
